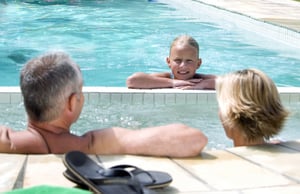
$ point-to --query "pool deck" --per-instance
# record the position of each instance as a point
(282, 13)
(242, 170)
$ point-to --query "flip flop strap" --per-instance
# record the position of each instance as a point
(131, 182)
(135, 170)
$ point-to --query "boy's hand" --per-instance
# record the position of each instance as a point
(182, 83)
(200, 84)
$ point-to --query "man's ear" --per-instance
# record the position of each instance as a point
(72, 101)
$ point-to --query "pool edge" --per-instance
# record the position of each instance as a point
(107, 95)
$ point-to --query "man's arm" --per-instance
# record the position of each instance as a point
(174, 140)
(21, 142)
(5, 142)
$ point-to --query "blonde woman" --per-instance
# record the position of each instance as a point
(250, 108)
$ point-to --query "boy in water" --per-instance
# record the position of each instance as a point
(183, 61)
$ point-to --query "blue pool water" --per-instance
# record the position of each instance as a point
(112, 39)
(135, 117)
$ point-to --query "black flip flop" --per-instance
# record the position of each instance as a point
(149, 179)
(108, 181)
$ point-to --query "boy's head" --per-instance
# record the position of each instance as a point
(184, 58)
(185, 40)
(47, 82)
(249, 102)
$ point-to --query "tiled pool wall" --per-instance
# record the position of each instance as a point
(266, 29)
(122, 95)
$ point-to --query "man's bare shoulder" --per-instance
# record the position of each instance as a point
(59, 143)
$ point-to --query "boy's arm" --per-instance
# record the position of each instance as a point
(208, 84)
(154, 81)
(202, 82)
(142, 80)
(174, 140)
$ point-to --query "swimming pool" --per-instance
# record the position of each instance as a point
(28, 29)
(114, 106)
(112, 39)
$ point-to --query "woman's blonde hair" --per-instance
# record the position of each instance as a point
(249, 101)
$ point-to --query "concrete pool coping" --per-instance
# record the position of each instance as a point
(240, 170)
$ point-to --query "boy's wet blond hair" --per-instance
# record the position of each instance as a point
(249, 101)
(185, 39)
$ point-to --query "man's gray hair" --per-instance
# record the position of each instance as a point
(47, 81)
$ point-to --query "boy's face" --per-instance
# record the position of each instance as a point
(183, 61)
